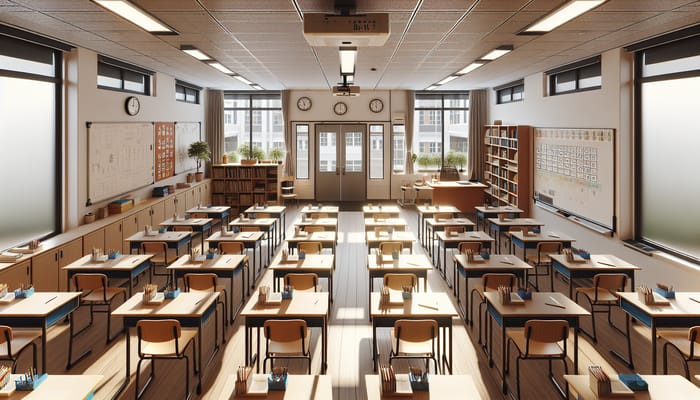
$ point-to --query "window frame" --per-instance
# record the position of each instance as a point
(187, 88)
(441, 112)
(394, 135)
(123, 69)
(370, 147)
(296, 151)
(576, 68)
(252, 110)
(510, 88)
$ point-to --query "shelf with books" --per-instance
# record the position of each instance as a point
(240, 186)
(507, 168)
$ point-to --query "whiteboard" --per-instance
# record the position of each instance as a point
(120, 158)
(575, 172)
(185, 134)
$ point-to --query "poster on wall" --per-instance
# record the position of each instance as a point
(185, 134)
(165, 150)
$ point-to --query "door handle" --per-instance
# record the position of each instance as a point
(343, 170)
(337, 171)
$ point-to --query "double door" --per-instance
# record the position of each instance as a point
(340, 162)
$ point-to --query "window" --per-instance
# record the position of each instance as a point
(186, 92)
(667, 192)
(577, 77)
(441, 123)
(510, 92)
(116, 75)
(376, 152)
(253, 124)
(302, 168)
(30, 118)
(398, 148)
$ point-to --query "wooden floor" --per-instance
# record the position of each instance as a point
(350, 337)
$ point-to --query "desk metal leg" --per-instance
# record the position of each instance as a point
(374, 346)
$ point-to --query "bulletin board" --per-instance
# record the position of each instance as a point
(165, 150)
(120, 158)
(575, 173)
(185, 134)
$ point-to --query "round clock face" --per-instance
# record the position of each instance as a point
(304, 103)
(340, 108)
(376, 105)
(132, 105)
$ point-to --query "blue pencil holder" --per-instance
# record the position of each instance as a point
(25, 386)
(171, 294)
(113, 256)
(210, 256)
(187, 216)
(279, 383)
(634, 381)
(287, 294)
(668, 294)
(23, 294)
(525, 295)
(419, 383)
(162, 230)
(235, 229)
(585, 255)
(485, 255)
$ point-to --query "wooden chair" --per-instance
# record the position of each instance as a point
(310, 247)
(390, 247)
(541, 340)
(382, 216)
(475, 247)
(259, 215)
(314, 228)
(489, 283)
(209, 283)
(13, 342)
(442, 216)
(164, 339)
(199, 215)
(160, 258)
(287, 189)
(603, 294)
(319, 215)
(685, 342)
(397, 281)
(414, 339)
(231, 248)
(303, 282)
(288, 338)
(449, 230)
(541, 259)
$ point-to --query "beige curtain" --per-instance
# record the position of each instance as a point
(478, 114)
(288, 135)
(215, 124)
(410, 105)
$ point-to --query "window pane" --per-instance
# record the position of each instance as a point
(456, 137)
(504, 95)
(273, 102)
(179, 93)
(109, 76)
(456, 101)
(376, 152)
(353, 152)
(589, 76)
(236, 130)
(428, 101)
(302, 168)
(398, 148)
(518, 92)
(327, 152)
(428, 138)
(565, 81)
(191, 95)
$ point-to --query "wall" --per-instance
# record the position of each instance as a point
(610, 107)
(86, 103)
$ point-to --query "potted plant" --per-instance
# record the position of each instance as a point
(427, 160)
(276, 154)
(199, 151)
(258, 153)
(454, 159)
(246, 155)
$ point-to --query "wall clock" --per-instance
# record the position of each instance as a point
(340, 108)
(376, 105)
(132, 105)
(304, 103)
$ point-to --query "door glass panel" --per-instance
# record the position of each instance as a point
(376, 152)
(353, 152)
(327, 155)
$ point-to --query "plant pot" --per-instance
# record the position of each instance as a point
(189, 178)
(198, 176)
(249, 162)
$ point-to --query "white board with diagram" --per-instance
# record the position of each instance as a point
(575, 173)
(185, 134)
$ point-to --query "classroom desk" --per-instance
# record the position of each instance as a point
(398, 224)
(482, 213)
(250, 240)
(122, 267)
(661, 387)
(332, 211)
(433, 225)
(299, 387)
(453, 240)
(320, 264)
(277, 212)
(515, 315)
(59, 387)
(311, 307)
(441, 387)
(174, 240)
(327, 239)
(191, 309)
(497, 263)
(435, 305)
(464, 195)
(267, 225)
(41, 310)
(598, 264)
(427, 211)
(681, 312)
(198, 225)
(418, 264)
(214, 212)
(530, 241)
(369, 211)
(374, 239)
(498, 226)
(225, 266)
(328, 224)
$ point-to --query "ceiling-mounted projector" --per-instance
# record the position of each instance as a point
(345, 90)
(346, 30)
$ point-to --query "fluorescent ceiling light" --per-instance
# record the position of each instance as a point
(347, 60)
(497, 52)
(432, 87)
(221, 68)
(135, 15)
(195, 52)
(563, 15)
(469, 68)
(448, 79)
(242, 79)
(256, 87)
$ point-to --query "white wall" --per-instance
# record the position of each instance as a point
(610, 107)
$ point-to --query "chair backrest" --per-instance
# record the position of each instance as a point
(231, 248)
(182, 228)
(310, 247)
(415, 330)
(250, 229)
(91, 283)
(285, 330)
(263, 215)
(492, 281)
(5, 335)
(454, 229)
(397, 281)
(304, 282)
(199, 215)
(545, 249)
(613, 282)
(201, 282)
(381, 229)
(158, 330)
(547, 331)
(158, 249)
(287, 183)
(512, 229)
(473, 246)
(314, 228)
(319, 215)
(390, 247)
(381, 216)
(441, 216)
(693, 336)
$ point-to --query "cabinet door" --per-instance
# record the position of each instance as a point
(18, 275)
(129, 227)
(158, 213)
(181, 203)
(206, 193)
(143, 218)
(45, 271)
(93, 240)
(169, 207)
(197, 196)
(68, 253)
(113, 236)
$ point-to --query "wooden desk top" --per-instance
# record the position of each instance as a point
(515, 222)
(326, 236)
(318, 221)
(396, 236)
(311, 262)
(205, 209)
(602, 262)
(158, 237)
(542, 237)
(455, 184)
(441, 387)
(406, 262)
(268, 209)
(423, 305)
(322, 209)
(437, 209)
(385, 222)
(537, 307)
(123, 262)
(59, 387)
(187, 222)
(374, 209)
(40, 304)
(450, 222)
(681, 306)
(472, 236)
(253, 222)
(220, 262)
(303, 304)
(187, 304)
(299, 387)
(235, 237)
(498, 210)
(661, 387)
(495, 262)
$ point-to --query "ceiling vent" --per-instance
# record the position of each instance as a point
(345, 90)
(346, 30)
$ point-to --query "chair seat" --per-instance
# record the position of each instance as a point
(165, 349)
(533, 259)
(424, 347)
(604, 295)
(98, 296)
(21, 338)
(289, 348)
(537, 349)
(679, 338)
(288, 195)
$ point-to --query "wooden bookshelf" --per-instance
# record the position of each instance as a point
(241, 186)
(508, 166)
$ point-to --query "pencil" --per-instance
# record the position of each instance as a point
(555, 305)
(51, 299)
